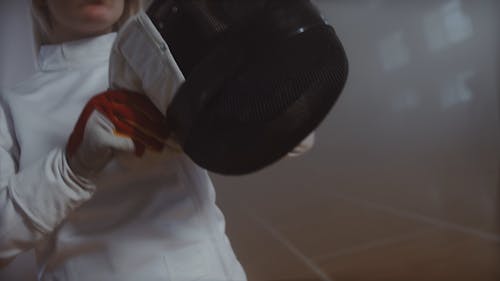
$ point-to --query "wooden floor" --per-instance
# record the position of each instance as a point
(302, 231)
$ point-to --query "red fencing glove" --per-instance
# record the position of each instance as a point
(114, 121)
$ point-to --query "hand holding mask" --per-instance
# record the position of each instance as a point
(242, 83)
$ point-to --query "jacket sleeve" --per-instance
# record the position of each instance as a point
(33, 201)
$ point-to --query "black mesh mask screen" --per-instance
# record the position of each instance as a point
(260, 76)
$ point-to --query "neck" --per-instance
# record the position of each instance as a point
(60, 35)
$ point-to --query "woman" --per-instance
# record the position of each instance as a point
(98, 194)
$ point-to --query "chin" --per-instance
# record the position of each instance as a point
(97, 25)
(100, 15)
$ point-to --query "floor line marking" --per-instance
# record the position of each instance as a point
(422, 218)
(282, 239)
(371, 245)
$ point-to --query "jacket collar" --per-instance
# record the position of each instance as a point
(76, 53)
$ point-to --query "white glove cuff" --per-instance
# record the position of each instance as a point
(142, 62)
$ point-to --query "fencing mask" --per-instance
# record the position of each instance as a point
(260, 75)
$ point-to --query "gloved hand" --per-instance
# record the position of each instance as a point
(114, 121)
(303, 147)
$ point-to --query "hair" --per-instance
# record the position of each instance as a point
(42, 21)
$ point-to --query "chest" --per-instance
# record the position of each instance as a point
(45, 113)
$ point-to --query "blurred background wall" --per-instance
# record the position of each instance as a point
(17, 62)
(403, 183)
(16, 47)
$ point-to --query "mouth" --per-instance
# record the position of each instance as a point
(94, 2)
(95, 8)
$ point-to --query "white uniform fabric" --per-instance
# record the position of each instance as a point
(144, 219)
(142, 62)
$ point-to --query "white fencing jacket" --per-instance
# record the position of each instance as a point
(153, 218)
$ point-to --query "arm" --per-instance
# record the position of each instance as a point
(35, 200)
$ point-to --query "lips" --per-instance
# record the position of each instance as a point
(94, 2)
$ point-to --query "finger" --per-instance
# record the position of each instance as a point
(151, 133)
(140, 112)
(139, 148)
(125, 129)
(137, 101)
(152, 137)
(119, 142)
(153, 127)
